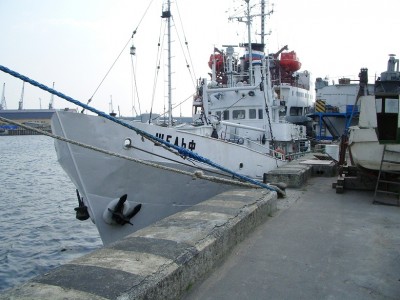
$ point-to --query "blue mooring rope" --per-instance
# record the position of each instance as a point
(183, 151)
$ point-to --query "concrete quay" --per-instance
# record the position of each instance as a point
(320, 245)
(162, 261)
(296, 173)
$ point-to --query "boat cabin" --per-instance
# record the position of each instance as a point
(387, 114)
(387, 95)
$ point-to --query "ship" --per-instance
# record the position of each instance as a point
(131, 174)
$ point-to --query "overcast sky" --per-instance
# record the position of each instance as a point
(74, 43)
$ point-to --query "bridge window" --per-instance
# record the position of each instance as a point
(252, 113)
(239, 114)
(260, 114)
(296, 111)
(392, 106)
(226, 114)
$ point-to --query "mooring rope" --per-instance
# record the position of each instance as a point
(182, 151)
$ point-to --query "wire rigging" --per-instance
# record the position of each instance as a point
(189, 66)
(135, 89)
(108, 72)
(123, 49)
(160, 45)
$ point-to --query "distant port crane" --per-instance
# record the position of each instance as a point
(51, 99)
(21, 100)
(3, 104)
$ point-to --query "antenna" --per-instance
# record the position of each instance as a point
(263, 15)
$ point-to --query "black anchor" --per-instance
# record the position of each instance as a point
(117, 213)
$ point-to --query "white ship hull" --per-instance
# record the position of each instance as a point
(101, 178)
(367, 152)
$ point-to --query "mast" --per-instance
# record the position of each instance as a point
(167, 14)
(262, 21)
(248, 23)
(263, 15)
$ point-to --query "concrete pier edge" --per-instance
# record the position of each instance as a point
(296, 173)
(162, 261)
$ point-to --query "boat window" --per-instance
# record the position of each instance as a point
(197, 110)
(387, 105)
(239, 114)
(282, 111)
(296, 111)
(218, 114)
(387, 113)
(260, 113)
(252, 113)
(378, 104)
(391, 105)
(226, 114)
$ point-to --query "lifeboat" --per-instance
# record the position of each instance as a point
(219, 62)
(290, 62)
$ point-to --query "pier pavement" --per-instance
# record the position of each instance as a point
(320, 245)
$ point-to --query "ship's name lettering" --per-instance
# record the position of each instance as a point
(177, 141)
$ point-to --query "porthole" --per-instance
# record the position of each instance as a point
(128, 143)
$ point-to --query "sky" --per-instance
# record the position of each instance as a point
(74, 43)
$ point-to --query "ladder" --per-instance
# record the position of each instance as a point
(388, 182)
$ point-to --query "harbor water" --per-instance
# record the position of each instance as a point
(38, 228)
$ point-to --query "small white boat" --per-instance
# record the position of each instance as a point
(379, 124)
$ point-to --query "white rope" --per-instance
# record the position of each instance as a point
(195, 174)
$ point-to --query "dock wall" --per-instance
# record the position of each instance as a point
(162, 261)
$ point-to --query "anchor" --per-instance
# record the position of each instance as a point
(118, 216)
(82, 213)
